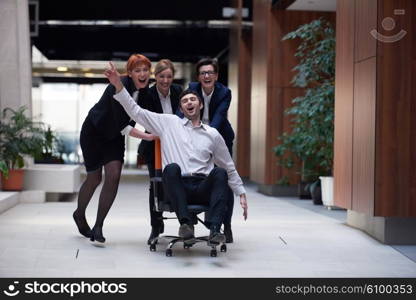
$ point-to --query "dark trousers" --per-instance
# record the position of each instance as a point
(156, 218)
(211, 190)
(229, 207)
(230, 201)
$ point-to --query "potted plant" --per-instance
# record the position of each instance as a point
(19, 136)
(310, 141)
(49, 154)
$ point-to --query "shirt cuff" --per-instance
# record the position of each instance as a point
(126, 130)
(239, 190)
(123, 94)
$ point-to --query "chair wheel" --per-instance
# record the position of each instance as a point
(213, 253)
(169, 252)
(223, 248)
(152, 247)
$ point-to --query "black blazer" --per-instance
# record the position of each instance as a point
(108, 116)
(146, 148)
(218, 108)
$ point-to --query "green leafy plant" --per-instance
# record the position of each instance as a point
(50, 141)
(51, 148)
(312, 134)
(19, 136)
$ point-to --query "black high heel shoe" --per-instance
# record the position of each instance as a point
(82, 225)
(156, 230)
(97, 235)
(228, 234)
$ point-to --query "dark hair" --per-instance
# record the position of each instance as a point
(189, 91)
(207, 61)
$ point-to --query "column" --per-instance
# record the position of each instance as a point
(15, 62)
(239, 81)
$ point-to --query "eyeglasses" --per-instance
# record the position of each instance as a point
(209, 73)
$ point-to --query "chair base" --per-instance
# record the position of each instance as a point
(188, 243)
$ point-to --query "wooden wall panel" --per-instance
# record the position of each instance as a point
(274, 117)
(239, 81)
(396, 114)
(273, 60)
(384, 109)
(366, 20)
(259, 91)
(274, 110)
(344, 102)
(244, 107)
(290, 93)
(364, 136)
(233, 74)
(280, 88)
(275, 48)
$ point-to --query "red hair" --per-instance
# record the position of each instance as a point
(137, 59)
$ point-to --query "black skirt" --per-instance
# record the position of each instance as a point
(96, 150)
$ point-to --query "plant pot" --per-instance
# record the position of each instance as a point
(14, 182)
(316, 193)
(327, 184)
(303, 190)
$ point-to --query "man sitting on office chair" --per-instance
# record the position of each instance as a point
(189, 148)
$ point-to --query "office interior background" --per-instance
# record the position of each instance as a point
(53, 54)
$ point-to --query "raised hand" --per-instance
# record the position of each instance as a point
(113, 76)
(243, 203)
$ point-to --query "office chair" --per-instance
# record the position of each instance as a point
(162, 205)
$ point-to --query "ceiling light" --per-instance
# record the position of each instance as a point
(62, 69)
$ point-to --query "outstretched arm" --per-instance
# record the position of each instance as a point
(222, 158)
(142, 135)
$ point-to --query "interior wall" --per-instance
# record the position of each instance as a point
(375, 109)
(271, 90)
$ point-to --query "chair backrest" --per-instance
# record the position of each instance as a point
(160, 201)
(158, 158)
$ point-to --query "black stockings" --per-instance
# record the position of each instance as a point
(112, 171)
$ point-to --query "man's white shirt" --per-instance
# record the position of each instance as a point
(126, 130)
(194, 148)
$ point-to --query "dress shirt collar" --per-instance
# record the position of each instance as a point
(210, 94)
(161, 95)
(135, 95)
(187, 122)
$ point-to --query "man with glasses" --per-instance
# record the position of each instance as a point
(217, 99)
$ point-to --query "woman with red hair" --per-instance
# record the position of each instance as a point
(102, 143)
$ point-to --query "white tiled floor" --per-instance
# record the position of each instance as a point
(281, 238)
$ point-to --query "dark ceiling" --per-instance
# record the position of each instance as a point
(188, 40)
